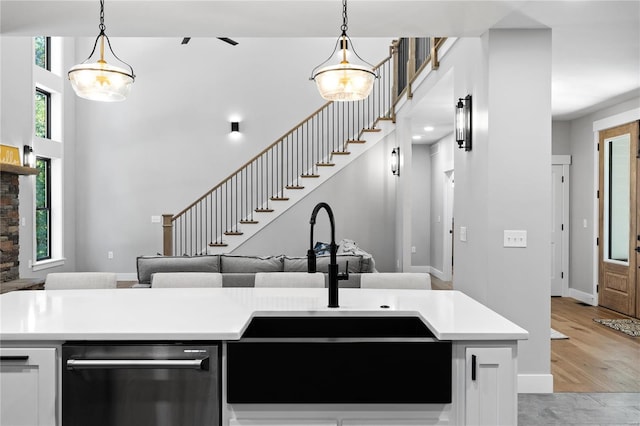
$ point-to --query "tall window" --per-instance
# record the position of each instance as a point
(42, 50)
(43, 113)
(43, 209)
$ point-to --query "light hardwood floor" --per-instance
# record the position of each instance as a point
(595, 358)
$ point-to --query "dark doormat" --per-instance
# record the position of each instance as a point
(627, 326)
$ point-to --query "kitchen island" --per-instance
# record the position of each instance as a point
(483, 364)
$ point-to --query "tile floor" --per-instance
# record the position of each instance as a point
(604, 409)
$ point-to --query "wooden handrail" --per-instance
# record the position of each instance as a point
(265, 150)
(263, 179)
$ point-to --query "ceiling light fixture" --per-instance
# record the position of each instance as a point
(429, 129)
(99, 81)
(344, 81)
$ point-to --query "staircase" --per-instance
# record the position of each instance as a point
(286, 171)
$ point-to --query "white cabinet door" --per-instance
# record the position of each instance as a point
(28, 387)
(490, 381)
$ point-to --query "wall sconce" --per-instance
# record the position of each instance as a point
(28, 157)
(463, 123)
(395, 161)
(235, 127)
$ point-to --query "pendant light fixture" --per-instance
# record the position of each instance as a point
(344, 81)
(100, 81)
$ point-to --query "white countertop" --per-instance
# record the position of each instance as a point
(224, 313)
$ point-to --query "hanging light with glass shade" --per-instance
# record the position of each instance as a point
(100, 81)
(344, 81)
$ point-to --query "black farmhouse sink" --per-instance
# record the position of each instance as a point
(337, 327)
(338, 360)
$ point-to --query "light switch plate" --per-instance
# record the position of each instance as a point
(515, 238)
(463, 233)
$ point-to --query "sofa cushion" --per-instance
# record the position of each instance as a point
(299, 264)
(148, 265)
(250, 264)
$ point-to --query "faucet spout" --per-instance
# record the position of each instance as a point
(333, 249)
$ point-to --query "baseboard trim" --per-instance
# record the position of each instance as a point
(535, 383)
(582, 296)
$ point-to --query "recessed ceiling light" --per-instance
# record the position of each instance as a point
(429, 129)
(417, 137)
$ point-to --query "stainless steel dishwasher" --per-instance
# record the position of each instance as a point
(167, 384)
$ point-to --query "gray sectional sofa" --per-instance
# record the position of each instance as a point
(239, 271)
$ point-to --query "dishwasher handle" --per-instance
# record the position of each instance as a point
(116, 364)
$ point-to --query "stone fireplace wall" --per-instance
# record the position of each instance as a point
(9, 227)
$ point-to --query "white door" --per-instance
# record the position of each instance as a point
(557, 228)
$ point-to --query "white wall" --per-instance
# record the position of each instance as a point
(362, 198)
(504, 183)
(169, 142)
(561, 138)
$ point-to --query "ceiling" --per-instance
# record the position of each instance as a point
(596, 43)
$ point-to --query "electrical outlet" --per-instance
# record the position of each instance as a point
(413, 249)
(516, 238)
(110, 255)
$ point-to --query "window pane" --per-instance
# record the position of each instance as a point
(42, 113)
(41, 183)
(43, 212)
(42, 51)
(42, 234)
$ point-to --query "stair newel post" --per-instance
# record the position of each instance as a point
(435, 63)
(167, 234)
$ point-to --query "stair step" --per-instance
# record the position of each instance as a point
(356, 141)
(340, 153)
(248, 222)
(325, 164)
(294, 187)
(279, 198)
(264, 210)
(310, 176)
(233, 233)
(371, 130)
(218, 244)
(385, 119)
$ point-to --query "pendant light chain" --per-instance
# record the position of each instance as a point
(345, 19)
(102, 27)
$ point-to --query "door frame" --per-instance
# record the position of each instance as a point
(599, 125)
(447, 224)
(565, 162)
